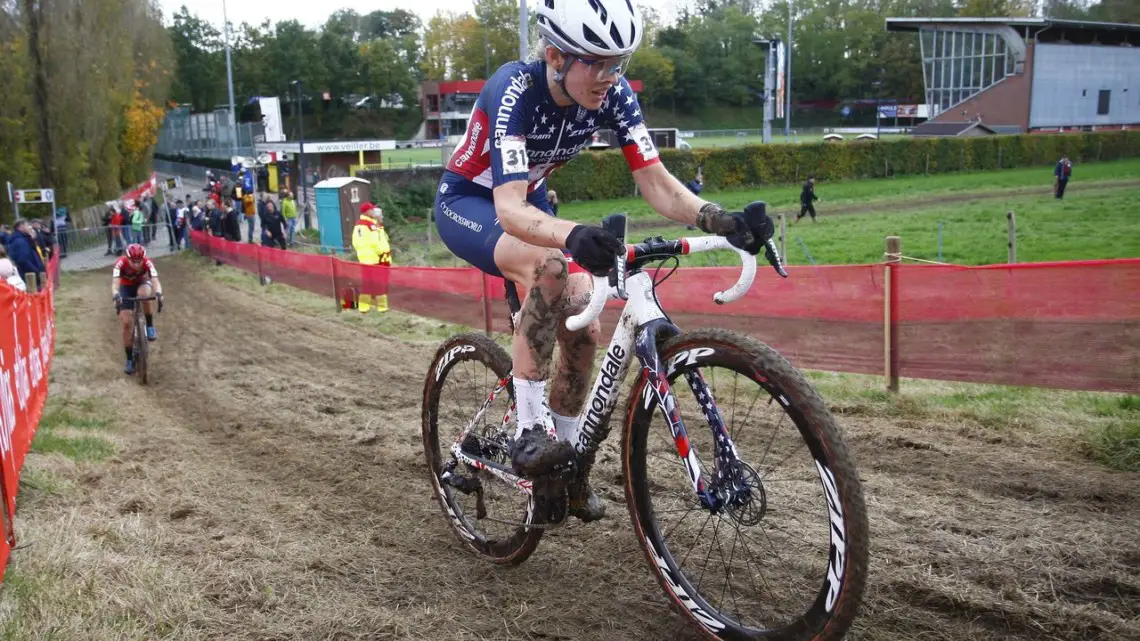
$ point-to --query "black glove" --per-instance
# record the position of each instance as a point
(750, 230)
(118, 300)
(159, 303)
(594, 248)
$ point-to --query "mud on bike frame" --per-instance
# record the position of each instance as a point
(641, 326)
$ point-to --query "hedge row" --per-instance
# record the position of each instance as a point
(604, 175)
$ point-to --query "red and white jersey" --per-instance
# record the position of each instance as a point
(128, 274)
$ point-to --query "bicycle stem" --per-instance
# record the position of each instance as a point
(602, 290)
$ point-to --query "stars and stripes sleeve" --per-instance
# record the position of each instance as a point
(625, 118)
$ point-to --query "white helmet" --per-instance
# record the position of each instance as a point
(602, 28)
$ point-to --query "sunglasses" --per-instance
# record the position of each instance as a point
(603, 68)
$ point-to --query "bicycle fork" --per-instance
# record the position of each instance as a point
(731, 485)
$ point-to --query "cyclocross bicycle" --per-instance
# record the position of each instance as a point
(139, 343)
(742, 492)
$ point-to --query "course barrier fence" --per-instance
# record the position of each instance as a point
(1070, 325)
(27, 344)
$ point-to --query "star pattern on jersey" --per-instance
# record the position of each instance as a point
(553, 134)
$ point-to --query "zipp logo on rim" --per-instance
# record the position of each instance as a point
(704, 618)
(450, 356)
(838, 558)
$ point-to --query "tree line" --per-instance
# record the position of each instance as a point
(86, 84)
(705, 56)
(84, 88)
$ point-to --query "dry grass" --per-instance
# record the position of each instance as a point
(242, 503)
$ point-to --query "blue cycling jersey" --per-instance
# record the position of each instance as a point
(517, 132)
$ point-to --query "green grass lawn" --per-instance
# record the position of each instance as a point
(883, 190)
(1090, 223)
(1091, 226)
(400, 158)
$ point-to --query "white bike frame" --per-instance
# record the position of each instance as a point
(641, 309)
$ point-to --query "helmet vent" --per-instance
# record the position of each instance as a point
(593, 37)
(599, 9)
(616, 35)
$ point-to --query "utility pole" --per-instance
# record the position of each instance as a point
(788, 78)
(486, 43)
(230, 80)
(523, 26)
(302, 179)
(769, 83)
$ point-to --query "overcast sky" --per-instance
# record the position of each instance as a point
(314, 13)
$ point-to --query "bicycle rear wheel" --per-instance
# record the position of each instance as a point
(141, 348)
(784, 559)
(465, 372)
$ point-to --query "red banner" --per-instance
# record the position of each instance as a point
(1070, 325)
(26, 346)
(142, 190)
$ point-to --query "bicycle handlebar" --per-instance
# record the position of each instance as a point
(683, 246)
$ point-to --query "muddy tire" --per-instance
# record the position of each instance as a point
(462, 376)
(832, 582)
(141, 348)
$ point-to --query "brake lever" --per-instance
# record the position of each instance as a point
(616, 225)
(773, 257)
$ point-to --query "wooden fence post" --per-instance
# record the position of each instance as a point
(260, 275)
(783, 238)
(336, 294)
(487, 303)
(891, 312)
(1012, 236)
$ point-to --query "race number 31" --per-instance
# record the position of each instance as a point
(513, 155)
(644, 141)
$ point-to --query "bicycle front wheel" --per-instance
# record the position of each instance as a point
(781, 553)
(141, 348)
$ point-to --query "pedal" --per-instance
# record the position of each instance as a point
(466, 486)
(462, 483)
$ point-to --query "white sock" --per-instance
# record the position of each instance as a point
(565, 426)
(530, 399)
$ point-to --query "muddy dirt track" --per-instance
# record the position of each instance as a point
(275, 470)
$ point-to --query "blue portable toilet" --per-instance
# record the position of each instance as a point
(338, 207)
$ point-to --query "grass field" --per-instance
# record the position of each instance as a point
(1098, 225)
(883, 191)
(399, 158)
(1097, 219)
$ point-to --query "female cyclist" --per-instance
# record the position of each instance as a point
(492, 211)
